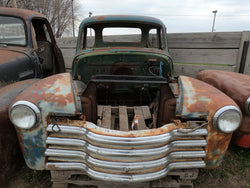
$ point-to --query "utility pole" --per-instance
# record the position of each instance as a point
(73, 19)
(90, 14)
(214, 12)
(13, 2)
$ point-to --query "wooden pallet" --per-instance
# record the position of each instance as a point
(77, 179)
(109, 115)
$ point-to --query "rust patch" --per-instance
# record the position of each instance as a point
(204, 97)
(130, 134)
(50, 90)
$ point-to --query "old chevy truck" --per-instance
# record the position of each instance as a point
(121, 118)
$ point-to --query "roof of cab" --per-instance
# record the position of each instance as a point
(23, 13)
(121, 18)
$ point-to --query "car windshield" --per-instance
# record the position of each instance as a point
(12, 31)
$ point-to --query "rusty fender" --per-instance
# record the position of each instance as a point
(200, 100)
(238, 88)
(52, 94)
(9, 147)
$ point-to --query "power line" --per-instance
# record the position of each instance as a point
(181, 15)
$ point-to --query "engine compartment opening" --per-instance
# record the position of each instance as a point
(127, 103)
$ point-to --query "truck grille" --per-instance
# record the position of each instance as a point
(119, 156)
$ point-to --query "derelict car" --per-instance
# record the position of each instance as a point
(27, 50)
(121, 118)
(27, 46)
(236, 86)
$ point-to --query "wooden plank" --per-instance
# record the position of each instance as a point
(204, 40)
(192, 70)
(112, 121)
(99, 115)
(106, 119)
(99, 110)
(123, 118)
(142, 124)
(146, 112)
(245, 37)
(205, 56)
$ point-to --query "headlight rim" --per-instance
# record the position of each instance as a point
(247, 106)
(30, 106)
(222, 110)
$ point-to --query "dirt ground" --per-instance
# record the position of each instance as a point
(233, 173)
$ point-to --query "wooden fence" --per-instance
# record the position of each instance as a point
(193, 52)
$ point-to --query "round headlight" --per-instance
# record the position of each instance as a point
(227, 119)
(24, 114)
(247, 106)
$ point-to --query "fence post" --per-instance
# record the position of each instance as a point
(243, 61)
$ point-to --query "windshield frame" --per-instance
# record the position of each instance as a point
(24, 27)
(100, 43)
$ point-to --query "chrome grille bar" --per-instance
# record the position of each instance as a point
(132, 178)
(125, 155)
(119, 140)
(121, 167)
(119, 156)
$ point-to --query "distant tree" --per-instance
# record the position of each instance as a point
(58, 12)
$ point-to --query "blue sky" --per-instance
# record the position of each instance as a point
(179, 15)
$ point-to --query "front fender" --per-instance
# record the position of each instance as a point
(53, 95)
(9, 148)
(198, 100)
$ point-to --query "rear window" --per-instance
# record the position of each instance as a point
(113, 34)
(12, 31)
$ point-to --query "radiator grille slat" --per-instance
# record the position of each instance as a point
(112, 155)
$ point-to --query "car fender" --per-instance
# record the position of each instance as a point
(199, 100)
(9, 147)
(52, 95)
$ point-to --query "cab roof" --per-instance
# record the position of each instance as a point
(23, 13)
(121, 18)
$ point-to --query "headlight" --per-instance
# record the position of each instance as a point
(24, 114)
(227, 119)
(247, 106)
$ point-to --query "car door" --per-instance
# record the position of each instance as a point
(49, 53)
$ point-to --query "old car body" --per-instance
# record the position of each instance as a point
(27, 46)
(236, 86)
(121, 118)
(27, 51)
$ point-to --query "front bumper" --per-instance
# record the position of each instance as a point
(119, 156)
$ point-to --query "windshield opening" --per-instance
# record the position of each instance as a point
(123, 35)
(12, 31)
